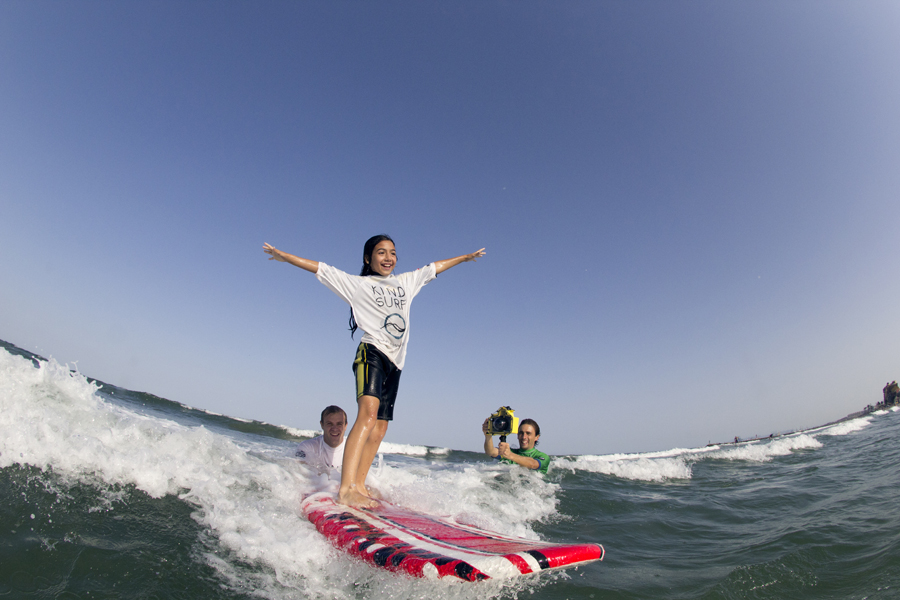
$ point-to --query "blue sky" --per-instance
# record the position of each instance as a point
(690, 209)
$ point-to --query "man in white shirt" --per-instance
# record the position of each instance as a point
(326, 452)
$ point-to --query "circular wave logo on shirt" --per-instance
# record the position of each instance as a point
(394, 325)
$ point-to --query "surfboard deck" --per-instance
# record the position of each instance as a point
(421, 545)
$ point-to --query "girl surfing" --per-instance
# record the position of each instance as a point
(379, 304)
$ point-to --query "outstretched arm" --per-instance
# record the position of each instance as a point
(309, 265)
(442, 265)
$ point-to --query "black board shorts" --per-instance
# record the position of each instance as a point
(376, 376)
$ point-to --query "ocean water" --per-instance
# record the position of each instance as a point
(110, 493)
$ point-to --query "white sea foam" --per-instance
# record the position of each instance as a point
(390, 448)
(412, 450)
(763, 451)
(306, 433)
(247, 492)
(847, 427)
(478, 495)
(678, 463)
(635, 467)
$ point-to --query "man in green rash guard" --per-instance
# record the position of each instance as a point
(526, 455)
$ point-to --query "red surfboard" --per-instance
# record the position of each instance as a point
(420, 545)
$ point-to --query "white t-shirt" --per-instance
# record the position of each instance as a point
(316, 453)
(380, 304)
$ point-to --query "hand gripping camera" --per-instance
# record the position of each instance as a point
(503, 423)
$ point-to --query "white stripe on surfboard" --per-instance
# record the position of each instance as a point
(492, 565)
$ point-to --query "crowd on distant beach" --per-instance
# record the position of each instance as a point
(891, 394)
(891, 397)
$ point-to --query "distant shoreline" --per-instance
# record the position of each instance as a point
(772, 436)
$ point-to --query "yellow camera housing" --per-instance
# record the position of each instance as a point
(503, 422)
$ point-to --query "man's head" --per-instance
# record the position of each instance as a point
(529, 433)
(333, 422)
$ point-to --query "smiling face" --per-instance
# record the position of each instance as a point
(527, 436)
(333, 427)
(383, 258)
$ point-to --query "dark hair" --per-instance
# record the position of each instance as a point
(330, 410)
(533, 423)
(367, 268)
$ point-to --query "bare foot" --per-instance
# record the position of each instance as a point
(353, 498)
(371, 493)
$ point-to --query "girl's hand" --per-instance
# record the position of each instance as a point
(275, 253)
(442, 265)
(474, 256)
